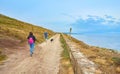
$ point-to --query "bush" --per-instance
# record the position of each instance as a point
(116, 60)
(2, 56)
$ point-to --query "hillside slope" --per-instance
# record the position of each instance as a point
(18, 29)
(13, 34)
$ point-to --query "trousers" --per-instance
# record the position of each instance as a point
(31, 48)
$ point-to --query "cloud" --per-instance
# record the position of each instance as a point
(96, 24)
(110, 17)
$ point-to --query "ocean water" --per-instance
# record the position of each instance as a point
(111, 40)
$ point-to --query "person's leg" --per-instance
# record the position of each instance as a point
(31, 48)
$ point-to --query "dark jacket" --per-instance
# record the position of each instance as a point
(32, 37)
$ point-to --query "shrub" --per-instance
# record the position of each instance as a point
(116, 60)
(2, 56)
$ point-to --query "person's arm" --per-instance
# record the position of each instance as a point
(28, 37)
(34, 38)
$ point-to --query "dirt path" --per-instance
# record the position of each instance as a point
(45, 60)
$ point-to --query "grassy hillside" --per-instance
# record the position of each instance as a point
(14, 32)
(107, 60)
(17, 29)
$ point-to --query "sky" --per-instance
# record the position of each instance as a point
(83, 16)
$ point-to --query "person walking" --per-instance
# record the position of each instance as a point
(31, 41)
(46, 35)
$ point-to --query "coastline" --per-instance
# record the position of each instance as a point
(107, 60)
(102, 41)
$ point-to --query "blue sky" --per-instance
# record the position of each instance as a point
(60, 15)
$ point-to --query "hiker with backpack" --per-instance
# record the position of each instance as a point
(31, 41)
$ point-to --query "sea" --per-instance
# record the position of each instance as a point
(109, 40)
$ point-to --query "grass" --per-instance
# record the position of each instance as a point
(107, 60)
(65, 53)
(18, 31)
(116, 60)
(2, 56)
(66, 66)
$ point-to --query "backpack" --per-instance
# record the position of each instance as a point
(30, 40)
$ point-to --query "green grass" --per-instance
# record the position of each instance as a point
(65, 53)
(2, 56)
(116, 60)
(66, 66)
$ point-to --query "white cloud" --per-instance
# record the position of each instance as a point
(97, 24)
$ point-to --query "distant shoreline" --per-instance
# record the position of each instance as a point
(116, 50)
(108, 42)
